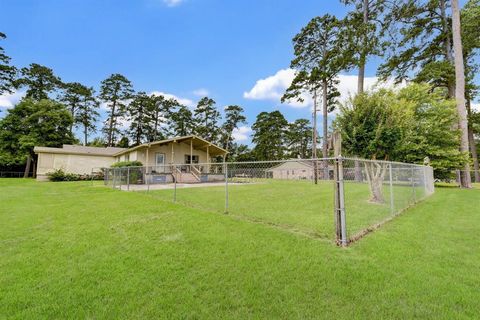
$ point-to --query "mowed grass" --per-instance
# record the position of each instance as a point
(297, 205)
(72, 250)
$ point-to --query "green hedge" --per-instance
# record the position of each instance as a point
(122, 164)
(60, 175)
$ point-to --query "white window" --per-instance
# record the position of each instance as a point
(127, 157)
(159, 159)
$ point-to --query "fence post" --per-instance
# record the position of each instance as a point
(175, 184)
(340, 218)
(392, 206)
(147, 177)
(225, 166)
(113, 179)
(128, 178)
(413, 185)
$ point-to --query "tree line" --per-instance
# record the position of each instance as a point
(431, 43)
(51, 110)
(419, 41)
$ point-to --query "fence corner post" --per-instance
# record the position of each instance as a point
(392, 204)
(225, 167)
(174, 168)
(340, 216)
(128, 178)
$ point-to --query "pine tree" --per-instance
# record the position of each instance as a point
(269, 136)
(39, 80)
(182, 122)
(114, 91)
(206, 118)
(233, 118)
(86, 114)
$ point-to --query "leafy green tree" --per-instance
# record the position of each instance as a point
(33, 123)
(97, 142)
(124, 142)
(240, 152)
(86, 114)
(182, 122)
(115, 91)
(373, 127)
(7, 72)
(269, 136)
(39, 80)
(207, 118)
(299, 138)
(430, 133)
(233, 118)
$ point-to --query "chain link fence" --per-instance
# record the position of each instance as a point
(332, 198)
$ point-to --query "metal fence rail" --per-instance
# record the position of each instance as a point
(332, 198)
(12, 174)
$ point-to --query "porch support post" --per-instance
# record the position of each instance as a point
(173, 154)
(146, 159)
(191, 151)
(208, 160)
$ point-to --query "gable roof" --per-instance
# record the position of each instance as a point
(293, 164)
(83, 150)
(198, 143)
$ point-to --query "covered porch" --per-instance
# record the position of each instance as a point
(188, 159)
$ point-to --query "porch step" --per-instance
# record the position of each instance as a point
(186, 177)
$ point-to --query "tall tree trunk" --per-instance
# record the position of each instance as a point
(460, 91)
(314, 138)
(85, 134)
(471, 142)
(112, 120)
(155, 130)
(34, 168)
(325, 129)
(363, 55)
(72, 112)
(447, 45)
(27, 167)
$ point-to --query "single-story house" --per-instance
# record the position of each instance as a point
(297, 170)
(157, 156)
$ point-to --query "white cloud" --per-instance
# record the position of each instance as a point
(184, 101)
(8, 100)
(273, 87)
(242, 133)
(476, 107)
(172, 3)
(201, 92)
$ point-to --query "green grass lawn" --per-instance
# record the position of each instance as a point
(297, 205)
(72, 250)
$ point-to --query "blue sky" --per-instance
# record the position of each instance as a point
(181, 47)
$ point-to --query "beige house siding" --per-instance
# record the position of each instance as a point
(82, 159)
(292, 170)
(71, 163)
(178, 156)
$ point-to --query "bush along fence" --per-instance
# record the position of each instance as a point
(333, 198)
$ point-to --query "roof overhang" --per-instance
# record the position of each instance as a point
(197, 142)
(38, 150)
